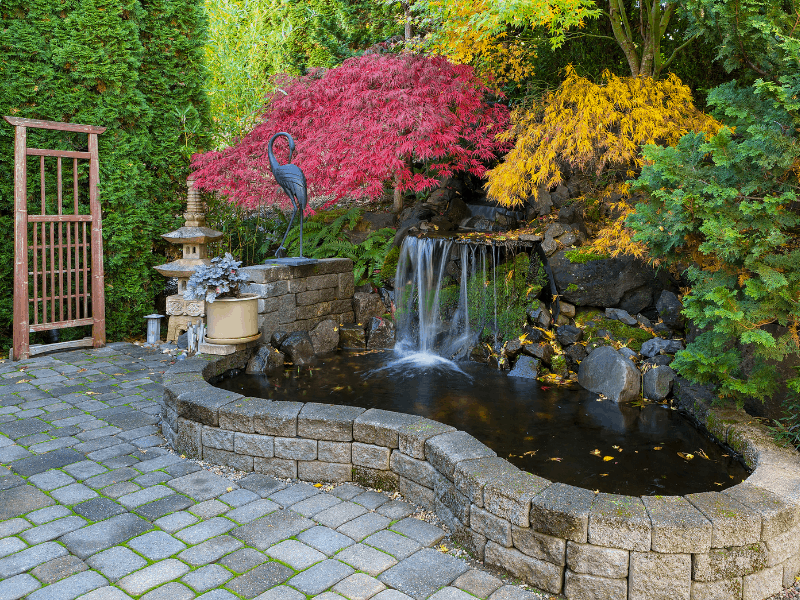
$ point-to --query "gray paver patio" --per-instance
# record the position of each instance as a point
(93, 505)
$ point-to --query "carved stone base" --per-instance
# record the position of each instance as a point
(176, 305)
(178, 324)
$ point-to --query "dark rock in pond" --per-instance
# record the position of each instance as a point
(277, 338)
(457, 211)
(669, 309)
(539, 316)
(442, 223)
(575, 354)
(513, 348)
(499, 362)
(658, 383)
(525, 367)
(533, 334)
(183, 340)
(366, 306)
(660, 346)
(325, 336)
(298, 347)
(380, 333)
(602, 282)
(479, 354)
(659, 360)
(543, 352)
(569, 334)
(605, 372)
(629, 354)
(480, 224)
(621, 315)
(352, 337)
(266, 360)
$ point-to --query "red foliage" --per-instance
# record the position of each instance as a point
(356, 126)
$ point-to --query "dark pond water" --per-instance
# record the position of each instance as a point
(560, 434)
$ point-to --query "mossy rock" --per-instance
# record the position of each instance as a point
(632, 337)
(389, 267)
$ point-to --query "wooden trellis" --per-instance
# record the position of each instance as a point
(58, 253)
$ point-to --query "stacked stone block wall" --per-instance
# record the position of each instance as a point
(298, 298)
(742, 543)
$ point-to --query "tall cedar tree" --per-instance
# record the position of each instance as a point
(362, 126)
(133, 66)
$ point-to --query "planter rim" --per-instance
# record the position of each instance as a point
(247, 296)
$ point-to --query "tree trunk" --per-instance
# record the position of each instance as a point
(407, 12)
(397, 205)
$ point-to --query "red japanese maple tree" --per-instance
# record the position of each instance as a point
(360, 127)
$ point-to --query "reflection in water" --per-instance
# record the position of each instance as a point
(563, 435)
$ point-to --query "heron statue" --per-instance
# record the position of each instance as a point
(292, 181)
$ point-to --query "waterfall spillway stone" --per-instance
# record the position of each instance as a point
(426, 335)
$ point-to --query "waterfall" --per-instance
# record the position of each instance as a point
(426, 335)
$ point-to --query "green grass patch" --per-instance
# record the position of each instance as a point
(581, 256)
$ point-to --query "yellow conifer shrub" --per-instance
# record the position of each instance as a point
(598, 130)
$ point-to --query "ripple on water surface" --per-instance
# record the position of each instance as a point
(564, 435)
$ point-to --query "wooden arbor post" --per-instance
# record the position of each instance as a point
(52, 252)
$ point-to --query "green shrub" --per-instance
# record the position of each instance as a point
(135, 68)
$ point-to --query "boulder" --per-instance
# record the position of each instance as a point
(457, 211)
(298, 347)
(542, 205)
(325, 336)
(532, 334)
(513, 348)
(526, 367)
(559, 196)
(658, 383)
(636, 300)
(643, 321)
(401, 234)
(277, 339)
(568, 239)
(629, 354)
(568, 334)
(606, 372)
(669, 308)
(419, 212)
(366, 306)
(554, 230)
(566, 309)
(441, 223)
(539, 316)
(659, 360)
(549, 246)
(575, 355)
(266, 360)
(479, 354)
(621, 315)
(660, 346)
(603, 282)
(441, 197)
(380, 333)
(543, 352)
(352, 337)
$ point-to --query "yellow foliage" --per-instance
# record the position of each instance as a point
(596, 129)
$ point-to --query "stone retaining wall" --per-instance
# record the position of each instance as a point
(298, 298)
(742, 543)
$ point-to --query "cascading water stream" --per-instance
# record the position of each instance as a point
(425, 336)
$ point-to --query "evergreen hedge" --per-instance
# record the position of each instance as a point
(135, 67)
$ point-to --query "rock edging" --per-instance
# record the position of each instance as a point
(741, 543)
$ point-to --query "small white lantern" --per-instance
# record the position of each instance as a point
(154, 328)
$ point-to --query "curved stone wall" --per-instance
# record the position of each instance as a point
(742, 543)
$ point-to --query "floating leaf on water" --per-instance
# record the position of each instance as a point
(702, 454)
(603, 474)
(608, 458)
(686, 455)
(718, 483)
(338, 388)
(596, 452)
(556, 458)
(529, 453)
(656, 447)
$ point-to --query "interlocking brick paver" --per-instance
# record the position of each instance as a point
(27, 559)
(120, 489)
(315, 504)
(392, 543)
(359, 586)
(71, 587)
(263, 485)
(94, 538)
(13, 527)
(152, 478)
(17, 587)
(238, 498)
(116, 562)
(84, 469)
(205, 530)
(206, 578)
(294, 494)
(11, 545)
(396, 509)
(73, 493)
(50, 480)
(250, 512)
(175, 521)
(170, 591)
(425, 533)
(325, 539)
(144, 496)
(451, 593)
(281, 592)
(58, 568)
(106, 593)
(202, 485)
(98, 509)
(478, 583)
(50, 513)
(163, 506)
(509, 592)
(424, 572)
(210, 550)
(156, 545)
(152, 576)
(275, 527)
(217, 595)
(367, 559)
(339, 515)
(320, 577)
(371, 500)
(52, 530)
(242, 560)
(260, 579)
(295, 554)
(209, 508)
(21, 500)
(365, 525)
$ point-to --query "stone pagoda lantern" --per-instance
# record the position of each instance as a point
(194, 236)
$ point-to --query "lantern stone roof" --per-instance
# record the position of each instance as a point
(183, 267)
(192, 235)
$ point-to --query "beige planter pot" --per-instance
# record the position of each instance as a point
(232, 320)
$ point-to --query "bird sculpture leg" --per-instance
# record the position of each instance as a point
(301, 231)
(279, 253)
